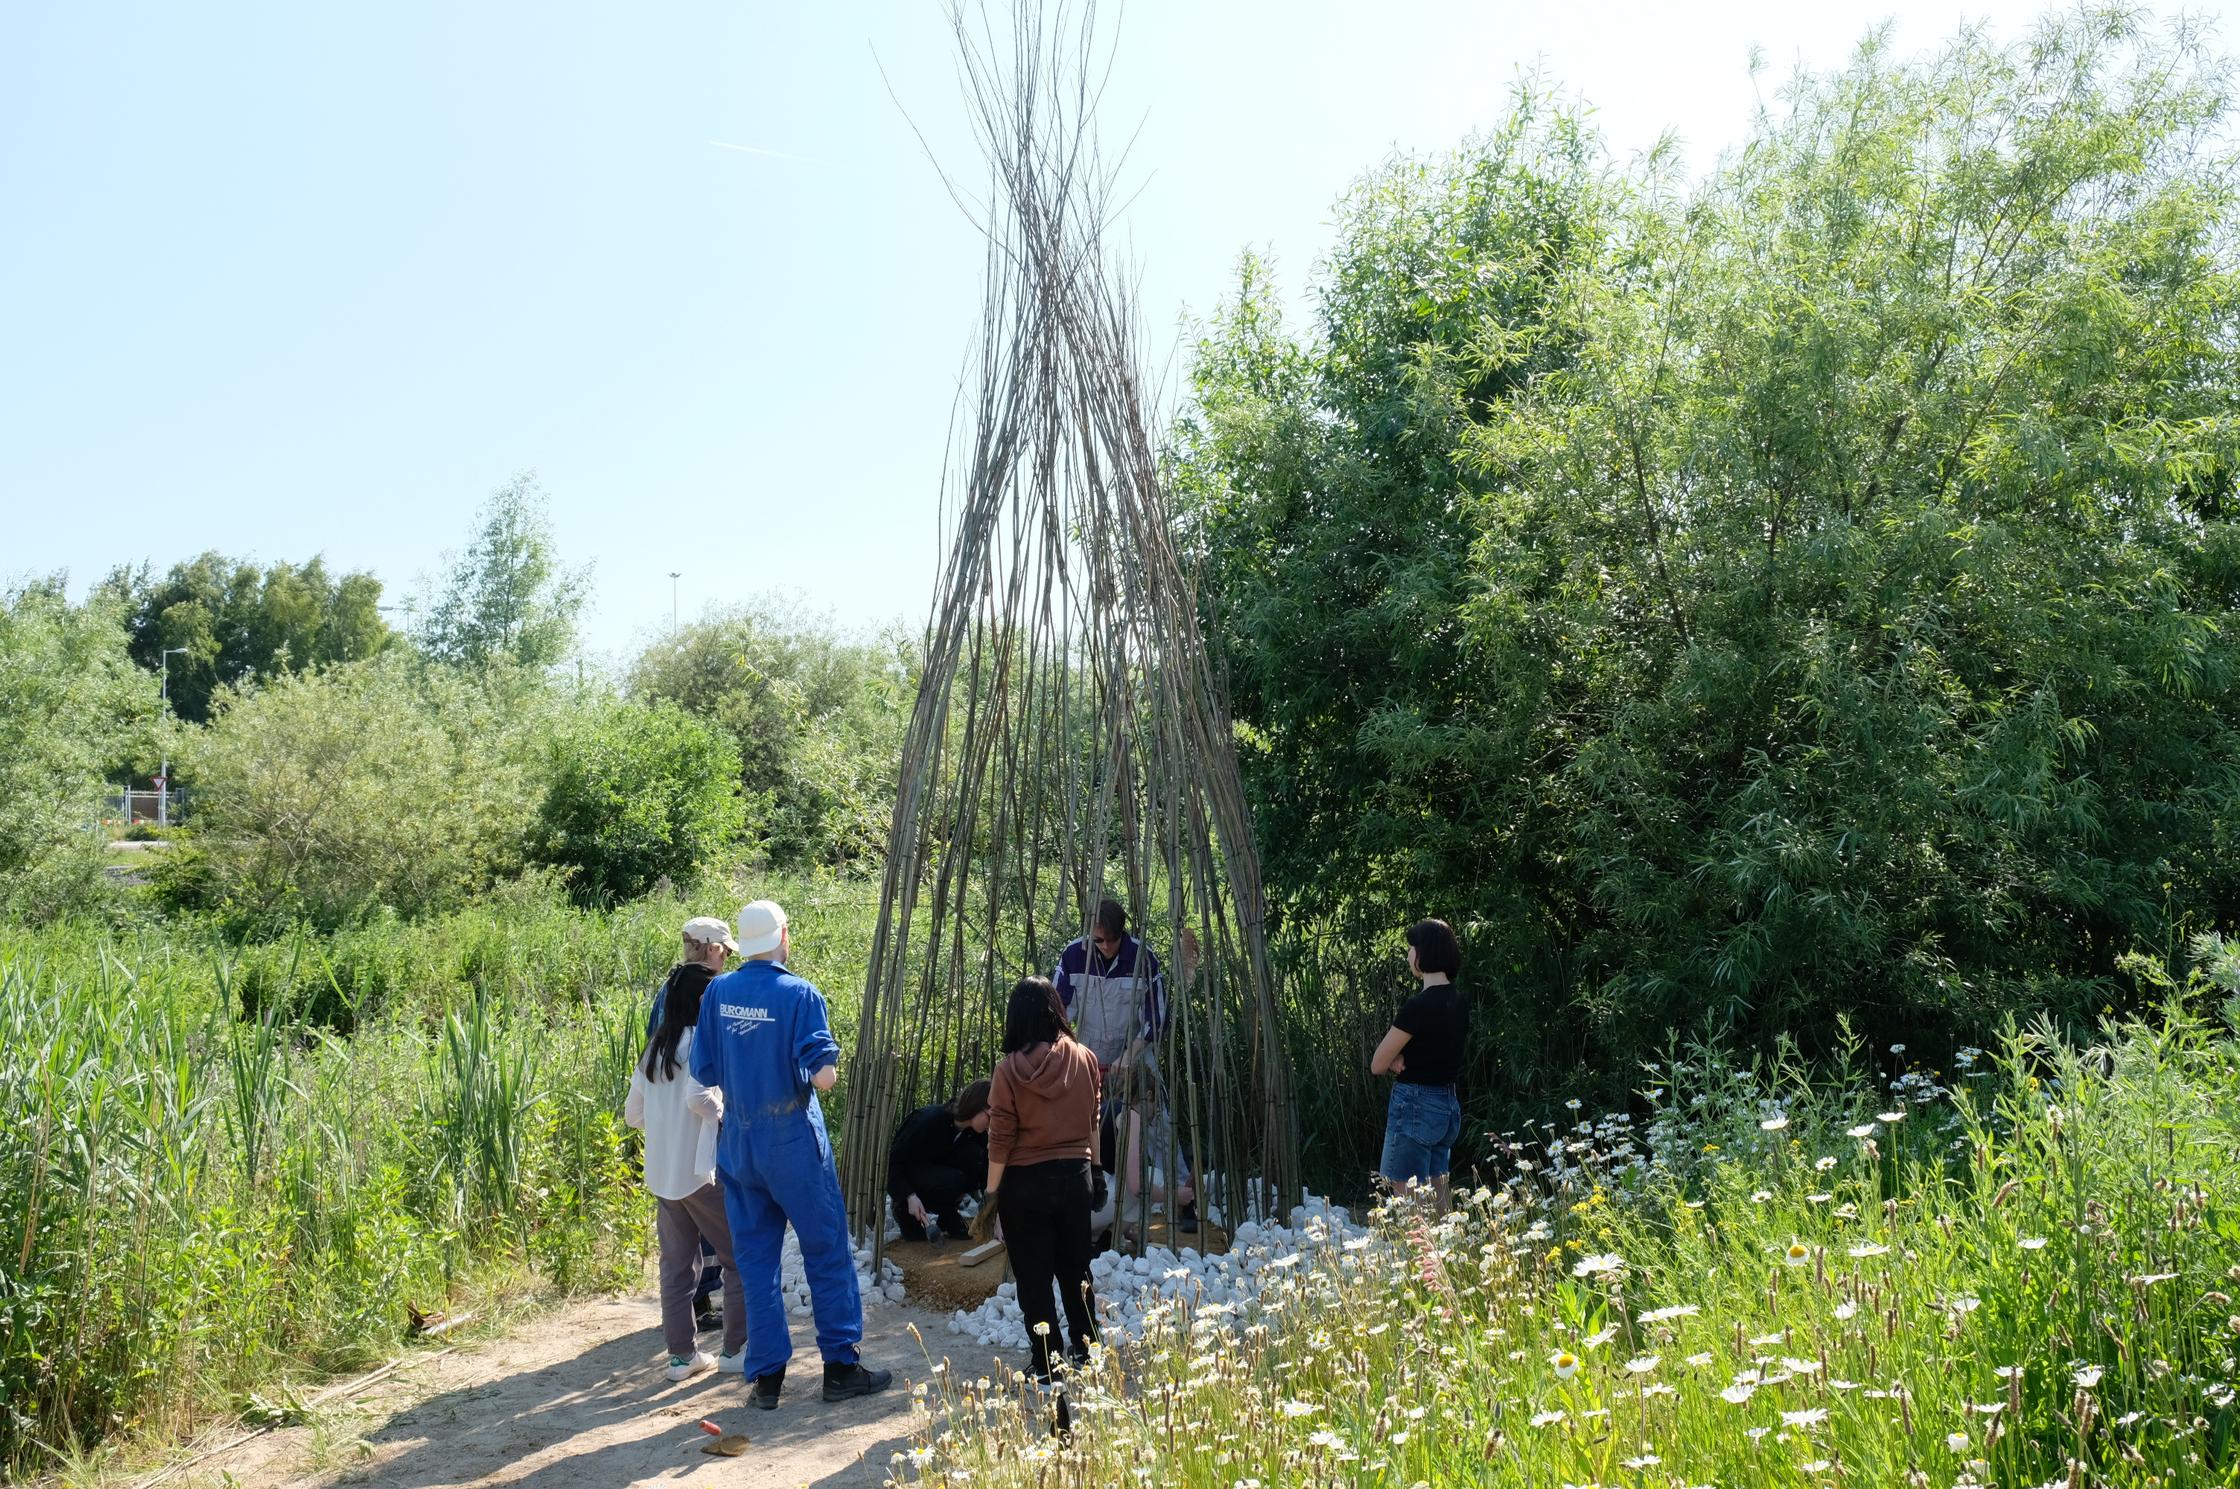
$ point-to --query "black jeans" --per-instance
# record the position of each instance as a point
(940, 1188)
(1045, 1212)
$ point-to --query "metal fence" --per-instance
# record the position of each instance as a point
(162, 807)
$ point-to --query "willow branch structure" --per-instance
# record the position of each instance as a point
(1070, 741)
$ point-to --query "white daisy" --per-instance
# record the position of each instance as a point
(1667, 1314)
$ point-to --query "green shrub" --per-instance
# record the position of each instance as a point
(73, 711)
(634, 794)
(386, 784)
(817, 718)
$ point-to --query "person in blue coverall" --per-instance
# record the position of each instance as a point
(765, 1041)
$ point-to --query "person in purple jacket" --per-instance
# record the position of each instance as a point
(1115, 995)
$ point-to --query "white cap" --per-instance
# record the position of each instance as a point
(761, 924)
(709, 931)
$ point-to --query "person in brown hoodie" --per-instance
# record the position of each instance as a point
(1042, 1137)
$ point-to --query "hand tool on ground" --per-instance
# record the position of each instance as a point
(726, 1444)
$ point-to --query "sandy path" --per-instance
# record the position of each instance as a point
(577, 1400)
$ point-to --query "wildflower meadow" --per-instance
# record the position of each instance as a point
(2020, 1271)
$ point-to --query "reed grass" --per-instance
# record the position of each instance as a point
(224, 1166)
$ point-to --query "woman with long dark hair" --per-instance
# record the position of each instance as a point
(680, 1117)
(1042, 1138)
(1422, 1051)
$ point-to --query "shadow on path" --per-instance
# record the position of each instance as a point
(606, 1415)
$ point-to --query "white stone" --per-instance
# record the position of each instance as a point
(1126, 1285)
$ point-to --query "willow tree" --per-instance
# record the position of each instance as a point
(1799, 592)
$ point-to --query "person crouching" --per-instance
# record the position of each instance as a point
(939, 1158)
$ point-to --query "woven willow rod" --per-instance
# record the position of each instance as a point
(1069, 740)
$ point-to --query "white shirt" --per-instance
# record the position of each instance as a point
(679, 1117)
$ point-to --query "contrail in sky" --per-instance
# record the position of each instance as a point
(758, 150)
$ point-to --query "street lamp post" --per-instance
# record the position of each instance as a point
(674, 576)
(163, 772)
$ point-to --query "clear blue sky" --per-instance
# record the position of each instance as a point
(292, 278)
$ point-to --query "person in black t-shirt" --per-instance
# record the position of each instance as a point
(940, 1155)
(1422, 1051)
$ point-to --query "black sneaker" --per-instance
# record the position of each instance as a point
(1190, 1218)
(956, 1228)
(708, 1320)
(846, 1382)
(766, 1389)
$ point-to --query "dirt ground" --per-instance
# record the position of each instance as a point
(577, 1400)
(935, 1274)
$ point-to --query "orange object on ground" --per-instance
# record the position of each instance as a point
(726, 1445)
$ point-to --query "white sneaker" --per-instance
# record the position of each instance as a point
(732, 1364)
(682, 1368)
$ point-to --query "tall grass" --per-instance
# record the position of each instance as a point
(223, 1164)
(2021, 1275)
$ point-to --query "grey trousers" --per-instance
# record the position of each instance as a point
(680, 1224)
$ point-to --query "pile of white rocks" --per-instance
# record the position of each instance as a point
(1130, 1286)
(793, 1280)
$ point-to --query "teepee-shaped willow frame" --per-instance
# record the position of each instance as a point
(1069, 741)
